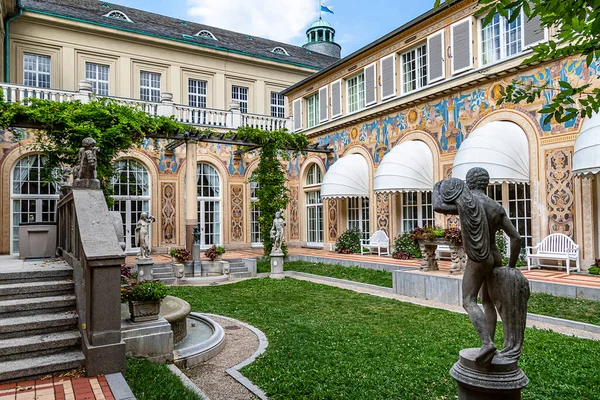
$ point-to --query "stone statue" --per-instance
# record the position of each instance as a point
(142, 238)
(87, 163)
(66, 176)
(196, 234)
(504, 289)
(277, 234)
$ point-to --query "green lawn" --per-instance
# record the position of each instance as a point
(329, 343)
(155, 382)
(539, 303)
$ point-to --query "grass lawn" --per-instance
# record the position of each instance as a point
(539, 303)
(329, 343)
(155, 382)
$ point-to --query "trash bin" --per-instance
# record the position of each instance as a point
(37, 240)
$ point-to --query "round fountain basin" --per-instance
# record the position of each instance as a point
(175, 311)
(205, 339)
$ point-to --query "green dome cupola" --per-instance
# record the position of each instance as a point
(320, 38)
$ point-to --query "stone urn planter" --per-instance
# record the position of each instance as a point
(430, 263)
(147, 310)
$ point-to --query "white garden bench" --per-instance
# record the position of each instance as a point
(556, 246)
(379, 240)
(443, 252)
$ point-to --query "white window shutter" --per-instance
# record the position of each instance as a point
(323, 104)
(371, 84)
(388, 76)
(436, 67)
(297, 108)
(533, 31)
(336, 98)
(462, 45)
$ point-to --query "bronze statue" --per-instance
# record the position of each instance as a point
(502, 289)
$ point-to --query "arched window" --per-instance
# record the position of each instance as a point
(209, 204)
(118, 15)
(33, 199)
(314, 206)
(206, 35)
(254, 216)
(131, 193)
(280, 50)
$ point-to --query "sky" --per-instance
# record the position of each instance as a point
(356, 22)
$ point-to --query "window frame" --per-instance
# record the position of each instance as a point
(254, 216)
(358, 93)
(527, 239)
(197, 96)
(312, 104)
(97, 81)
(152, 90)
(362, 210)
(243, 102)
(423, 68)
(312, 184)
(278, 108)
(37, 72)
(420, 205)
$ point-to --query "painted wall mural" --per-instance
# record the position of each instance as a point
(383, 212)
(559, 186)
(293, 210)
(168, 220)
(237, 213)
(332, 218)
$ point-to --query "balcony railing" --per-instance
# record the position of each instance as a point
(202, 117)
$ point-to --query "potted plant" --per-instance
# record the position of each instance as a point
(214, 253)
(144, 299)
(179, 255)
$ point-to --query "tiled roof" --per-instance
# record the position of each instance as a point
(147, 23)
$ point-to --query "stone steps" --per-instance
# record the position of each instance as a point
(37, 345)
(39, 333)
(37, 324)
(29, 306)
(40, 366)
(22, 290)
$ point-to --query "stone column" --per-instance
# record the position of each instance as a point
(191, 193)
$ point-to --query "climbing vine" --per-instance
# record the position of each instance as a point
(272, 192)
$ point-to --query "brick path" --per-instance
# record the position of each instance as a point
(57, 388)
(544, 275)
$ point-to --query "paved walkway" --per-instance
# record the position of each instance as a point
(544, 275)
(95, 388)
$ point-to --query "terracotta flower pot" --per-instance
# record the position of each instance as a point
(144, 310)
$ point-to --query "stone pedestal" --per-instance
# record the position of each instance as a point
(196, 252)
(501, 380)
(144, 266)
(276, 267)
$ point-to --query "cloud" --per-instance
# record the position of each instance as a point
(282, 20)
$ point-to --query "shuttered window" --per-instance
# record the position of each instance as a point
(370, 84)
(462, 46)
(388, 76)
(336, 99)
(297, 109)
(435, 57)
(533, 31)
(414, 69)
(356, 93)
(312, 110)
(323, 104)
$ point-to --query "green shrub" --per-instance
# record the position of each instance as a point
(405, 247)
(349, 242)
(595, 268)
(144, 291)
(180, 254)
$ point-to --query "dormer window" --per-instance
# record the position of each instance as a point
(206, 35)
(118, 15)
(280, 50)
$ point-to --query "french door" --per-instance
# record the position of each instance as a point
(130, 211)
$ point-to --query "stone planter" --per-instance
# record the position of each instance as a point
(140, 311)
(430, 263)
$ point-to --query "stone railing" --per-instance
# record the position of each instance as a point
(219, 119)
(88, 242)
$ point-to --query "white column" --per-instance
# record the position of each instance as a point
(191, 195)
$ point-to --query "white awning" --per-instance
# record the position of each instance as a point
(347, 177)
(500, 147)
(586, 159)
(408, 167)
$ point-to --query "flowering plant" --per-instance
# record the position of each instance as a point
(180, 254)
(214, 252)
(144, 291)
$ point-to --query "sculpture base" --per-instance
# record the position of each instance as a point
(87, 184)
(277, 267)
(195, 252)
(144, 267)
(502, 379)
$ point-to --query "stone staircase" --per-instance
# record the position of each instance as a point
(164, 273)
(38, 323)
(238, 269)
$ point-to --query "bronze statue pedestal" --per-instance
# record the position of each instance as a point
(501, 380)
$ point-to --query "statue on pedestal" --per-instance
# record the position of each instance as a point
(503, 289)
(85, 171)
(142, 234)
(277, 234)
(196, 234)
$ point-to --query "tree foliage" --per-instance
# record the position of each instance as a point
(577, 26)
(272, 192)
